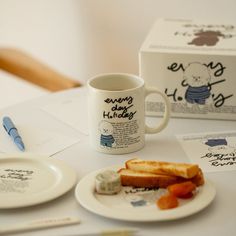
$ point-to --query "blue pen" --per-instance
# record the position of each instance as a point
(12, 131)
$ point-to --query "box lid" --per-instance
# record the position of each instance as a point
(189, 36)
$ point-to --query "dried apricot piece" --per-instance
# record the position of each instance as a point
(167, 202)
(181, 189)
(187, 196)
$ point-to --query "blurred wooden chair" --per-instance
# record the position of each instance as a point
(26, 67)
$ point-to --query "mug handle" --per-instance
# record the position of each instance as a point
(166, 117)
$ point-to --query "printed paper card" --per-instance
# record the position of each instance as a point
(212, 151)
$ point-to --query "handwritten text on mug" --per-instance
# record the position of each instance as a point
(119, 109)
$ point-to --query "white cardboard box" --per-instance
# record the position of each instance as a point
(194, 63)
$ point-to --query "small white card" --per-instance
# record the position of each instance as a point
(211, 151)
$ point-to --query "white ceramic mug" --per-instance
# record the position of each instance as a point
(116, 107)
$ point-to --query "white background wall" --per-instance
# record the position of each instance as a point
(81, 38)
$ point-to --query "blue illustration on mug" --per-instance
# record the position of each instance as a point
(106, 138)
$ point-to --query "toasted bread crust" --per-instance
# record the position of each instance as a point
(143, 179)
(198, 179)
(139, 179)
(165, 168)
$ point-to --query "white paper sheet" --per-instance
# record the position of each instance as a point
(212, 151)
(39, 141)
(66, 109)
(40, 132)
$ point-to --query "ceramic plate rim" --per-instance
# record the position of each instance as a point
(61, 187)
(87, 200)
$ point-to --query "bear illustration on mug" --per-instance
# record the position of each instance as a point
(106, 139)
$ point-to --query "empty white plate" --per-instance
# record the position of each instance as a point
(27, 180)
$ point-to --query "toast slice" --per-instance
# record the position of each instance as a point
(145, 180)
(184, 170)
(198, 179)
(148, 180)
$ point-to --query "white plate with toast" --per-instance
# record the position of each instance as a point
(138, 204)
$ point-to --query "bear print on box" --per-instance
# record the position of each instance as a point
(197, 78)
(208, 38)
